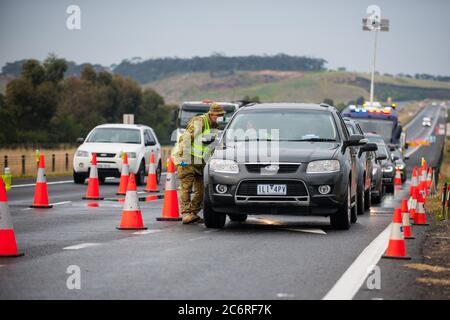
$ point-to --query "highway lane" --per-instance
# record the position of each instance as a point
(268, 257)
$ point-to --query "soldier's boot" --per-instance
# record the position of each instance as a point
(190, 218)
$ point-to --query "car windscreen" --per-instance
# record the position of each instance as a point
(115, 135)
(283, 125)
(381, 127)
(188, 112)
(375, 139)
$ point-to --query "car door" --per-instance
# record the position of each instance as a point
(367, 161)
(350, 153)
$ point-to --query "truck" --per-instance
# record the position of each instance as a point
(379, 119)
(190, 109)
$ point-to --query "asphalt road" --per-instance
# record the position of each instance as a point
(268, 257)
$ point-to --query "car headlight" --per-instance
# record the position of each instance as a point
(374, 171)
(323, 166)
(131, 154)
(224, 166)
(388, 169)
(81, 153)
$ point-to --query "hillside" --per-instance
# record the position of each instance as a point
(292, 86)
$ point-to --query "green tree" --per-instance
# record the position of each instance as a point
(54, 68)
(328, 101)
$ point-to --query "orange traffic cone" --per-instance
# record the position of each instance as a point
(170, 210)
(413, 206)
(414, 182)
(420, 218)
(93, 191)
(124, 176)
(131, 213)
(152, 185)
(41, 193)
(406, 223)
(8, 245)
(397, 246)
(398, 178)
(429, 176)
(423, 182)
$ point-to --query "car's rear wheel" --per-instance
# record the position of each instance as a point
(237, 217)
(341, 220)
(140, 175)
(212, 218)
(360, 203)
(367, 199)
(78, 178)
(158, 172)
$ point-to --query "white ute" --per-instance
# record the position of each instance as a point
(108, 141)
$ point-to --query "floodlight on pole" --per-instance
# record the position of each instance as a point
(373, 22)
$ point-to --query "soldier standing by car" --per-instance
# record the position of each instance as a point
(190, 155)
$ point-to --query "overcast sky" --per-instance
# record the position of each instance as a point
(114, 30)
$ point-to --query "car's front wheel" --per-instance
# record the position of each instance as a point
(341, 220)
(158, 172)
(140, 175)
(367, 199)
(212, 218)
(78, 178)
(360, 203)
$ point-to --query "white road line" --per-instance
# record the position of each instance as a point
(285, 295)
(316, 231)
(33, 184)
(146, 232)
(352, 279)
(59, 203)
(81, 246)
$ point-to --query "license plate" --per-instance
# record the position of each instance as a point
(272, 189)
(103, 165)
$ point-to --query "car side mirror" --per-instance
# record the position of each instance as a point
(395, 158)
(356, 140)
(208, 138)
(406, 158)
(80, 140)
(368, 147)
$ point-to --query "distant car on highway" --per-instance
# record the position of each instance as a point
(108, 141)
(387, 165)
(314, 173)
(426, 122)
(364, 168)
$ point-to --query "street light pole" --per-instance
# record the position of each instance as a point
(374, 23)
(373, 66)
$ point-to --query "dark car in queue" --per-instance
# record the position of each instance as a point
(387, 165)
(311, 169)
(377, 179)
(364, 167)
(399, 162)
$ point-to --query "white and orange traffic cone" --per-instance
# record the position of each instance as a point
(125, 173)
(413, 205)
(93, 191)
(398, 178)
(405, 218)
(414, 181)
(8, 245)
(420, 218)
(41, 192)
(397, 246)
(152, 185)
(170, 210)
(131, 213)
(423, 182)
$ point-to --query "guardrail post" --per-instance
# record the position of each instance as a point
(67, 162)
(53, 162)
(6, 162)
(444, 199)
(23, 164)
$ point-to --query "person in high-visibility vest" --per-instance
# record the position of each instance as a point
(190, 155)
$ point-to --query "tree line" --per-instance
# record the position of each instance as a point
(41, 106)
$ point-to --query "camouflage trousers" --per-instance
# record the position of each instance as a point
(191, 188)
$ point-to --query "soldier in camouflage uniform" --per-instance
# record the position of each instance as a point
(190, 156)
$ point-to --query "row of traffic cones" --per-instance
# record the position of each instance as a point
(411, 209)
